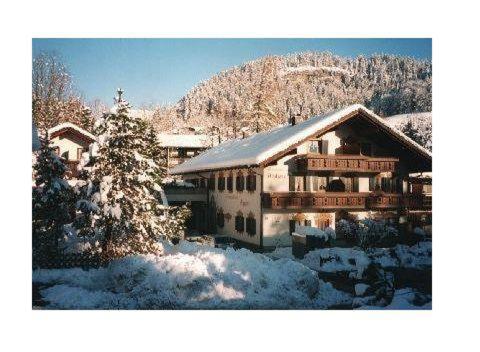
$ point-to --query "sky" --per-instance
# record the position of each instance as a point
(160, 71)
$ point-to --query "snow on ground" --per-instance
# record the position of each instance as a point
(334, 260)
(355, 260)
(190, 276)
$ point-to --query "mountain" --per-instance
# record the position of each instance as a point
(266, 92)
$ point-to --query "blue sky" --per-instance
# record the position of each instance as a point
(163, 70)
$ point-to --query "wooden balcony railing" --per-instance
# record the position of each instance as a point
(345, 163)
(314, 200)
(385, 201)
(342, 200)
(418, 201)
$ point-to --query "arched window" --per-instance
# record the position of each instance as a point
(240, 182)
(251, 225)
(251, 182)
(239, 222)
(220, 218)
(230, 182)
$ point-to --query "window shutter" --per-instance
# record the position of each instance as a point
(324, 146)
(240, 182)
(221, 183)
(251, 226)
(211, 182)
(230, 183)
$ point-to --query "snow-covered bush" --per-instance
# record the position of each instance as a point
(367, 233)
(371, 233)
(190, 276)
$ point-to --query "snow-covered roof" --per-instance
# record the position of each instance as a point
(185, 140)
(69, 125)
(35, 140)
(259, 147)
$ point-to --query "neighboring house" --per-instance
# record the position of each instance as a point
(70, 142)
(345, 164)
(180, 147)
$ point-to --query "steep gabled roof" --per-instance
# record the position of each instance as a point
(63, 127)
(265, 146)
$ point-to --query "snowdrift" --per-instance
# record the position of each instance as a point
(190, 276)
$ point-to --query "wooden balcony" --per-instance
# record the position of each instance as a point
(314, 200)
(385, 201)
(418, 201)
(343, 200)
(345, 163)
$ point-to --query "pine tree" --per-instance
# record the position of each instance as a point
(53, 202)
(124, 205)
(86, 120)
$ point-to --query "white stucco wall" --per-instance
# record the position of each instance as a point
(70, 144)
(235, 201)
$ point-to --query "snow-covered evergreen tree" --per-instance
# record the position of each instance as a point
(53, 201)
(124, 207)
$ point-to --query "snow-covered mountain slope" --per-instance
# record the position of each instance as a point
(417, 119)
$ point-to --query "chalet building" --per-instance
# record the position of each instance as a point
(345, 164)
(70, 142)
(181, 147)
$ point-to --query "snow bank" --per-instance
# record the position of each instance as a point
(336, 259)
(326, 234)
(190, 276)
(355, 260)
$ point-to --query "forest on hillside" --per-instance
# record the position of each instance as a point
(264, 93)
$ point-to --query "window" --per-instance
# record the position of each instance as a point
(239, 223)
(65, 155)
(211, 182)
(182, 153)
(230, 182)
(317, 183)
(388, 185)
(221, 182)
(202, 183)
(323, 223)
(313, 147)
(79, 153)
(251, 182)
(56, 150)
(240, 182)
(220, 219)
(251, 225)
(351, 183)
(308, 222)
(296, 184)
